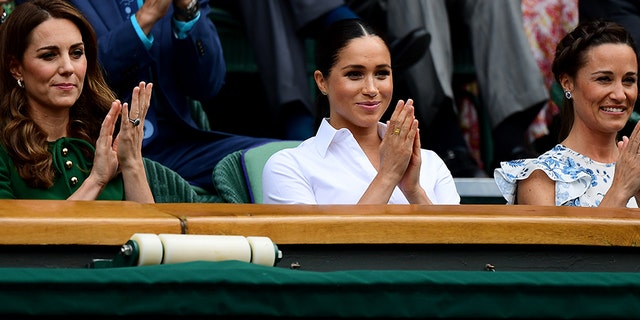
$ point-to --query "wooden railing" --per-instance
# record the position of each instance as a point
(113, 223)
(79, 222)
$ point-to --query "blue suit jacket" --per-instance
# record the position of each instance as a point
(179, 68)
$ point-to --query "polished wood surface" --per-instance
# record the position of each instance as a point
(412, 224)
(79, 222)
(113, 223)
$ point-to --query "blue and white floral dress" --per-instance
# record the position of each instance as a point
(580, 181)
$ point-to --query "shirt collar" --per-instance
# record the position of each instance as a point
(327, 134)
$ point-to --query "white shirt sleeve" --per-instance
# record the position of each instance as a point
(283, 181)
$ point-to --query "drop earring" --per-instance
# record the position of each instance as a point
(20, 83)
(567, 94)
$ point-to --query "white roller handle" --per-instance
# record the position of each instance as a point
(149, 248)
(263, 251)
(183, 248)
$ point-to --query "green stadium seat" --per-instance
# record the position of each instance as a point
(238, 176)
(168, 186)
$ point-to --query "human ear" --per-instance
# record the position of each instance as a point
(15, 68)
(566, 82)
(320, 82)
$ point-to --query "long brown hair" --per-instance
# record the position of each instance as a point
(23, 139)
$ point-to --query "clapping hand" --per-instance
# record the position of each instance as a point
(626, 180)
(400, 152)
(128, 143)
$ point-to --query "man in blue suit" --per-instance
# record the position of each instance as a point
(174, 45)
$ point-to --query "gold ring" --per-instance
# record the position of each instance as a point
(396, 131)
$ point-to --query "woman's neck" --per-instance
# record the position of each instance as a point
(599, 147)
(54, 124)
(369, 141)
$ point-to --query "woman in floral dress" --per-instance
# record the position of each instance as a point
(597, 66)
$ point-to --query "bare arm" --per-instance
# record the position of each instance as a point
(537, 189)
(129, 145)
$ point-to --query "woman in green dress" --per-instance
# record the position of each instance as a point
(63, 133)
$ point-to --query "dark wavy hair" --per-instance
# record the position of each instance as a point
(571, 56)
(330, 44)
(23, 139)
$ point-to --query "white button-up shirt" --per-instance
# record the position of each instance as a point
(331, 168)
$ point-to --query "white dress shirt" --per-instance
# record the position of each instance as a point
(331, 168)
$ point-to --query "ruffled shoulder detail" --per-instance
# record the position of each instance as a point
(573, 173)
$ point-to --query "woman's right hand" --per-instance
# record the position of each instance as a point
(105, 161)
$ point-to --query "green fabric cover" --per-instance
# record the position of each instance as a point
(204, 195)
(253, 161)
(233, 288)
(167, 185)
(229, 180)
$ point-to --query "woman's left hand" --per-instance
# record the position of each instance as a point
(410, 182)
(404, 143)
(128, 143)
(626, 178)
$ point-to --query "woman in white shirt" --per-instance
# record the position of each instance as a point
(354, 158)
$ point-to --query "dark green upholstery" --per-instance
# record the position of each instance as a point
(229, 179)
(168, 186)
(238, 176)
